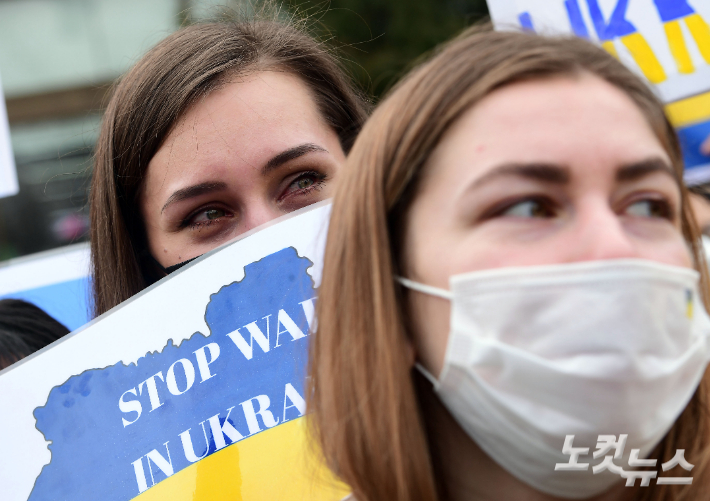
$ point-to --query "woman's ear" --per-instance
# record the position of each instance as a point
(409, 352)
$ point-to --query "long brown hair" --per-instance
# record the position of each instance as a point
(149, 100)
(364, 404)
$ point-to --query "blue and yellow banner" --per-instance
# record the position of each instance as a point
(665, 41)
(195, 390)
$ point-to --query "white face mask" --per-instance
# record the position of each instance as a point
(586, 349)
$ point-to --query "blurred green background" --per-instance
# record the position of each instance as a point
(58, 59)
(380, 39)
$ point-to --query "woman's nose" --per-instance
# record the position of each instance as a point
(258, 213)
(599, 233)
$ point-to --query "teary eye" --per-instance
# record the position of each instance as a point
(205, 217)
(304, 182)
(214, 213)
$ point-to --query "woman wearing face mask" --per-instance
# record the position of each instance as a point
(218, 129)
(513, 262)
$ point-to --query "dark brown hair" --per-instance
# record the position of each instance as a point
(148, 101)
(24, 329)
(364, 403)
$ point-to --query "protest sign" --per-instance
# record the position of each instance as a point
(8, 174)
(666, 41)
(57, 281)
(193, 389)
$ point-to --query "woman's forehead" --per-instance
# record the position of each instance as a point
(581, 123)
(248, 104)
(245, 122)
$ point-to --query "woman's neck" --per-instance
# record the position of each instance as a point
(465, 472)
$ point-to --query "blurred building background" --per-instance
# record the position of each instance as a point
(58, 59)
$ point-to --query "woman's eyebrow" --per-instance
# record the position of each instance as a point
(544, 172)
(290, 154)
(194, 191)
(637, 170)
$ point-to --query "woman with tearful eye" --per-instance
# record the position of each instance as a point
(220, 128)
(513, 303)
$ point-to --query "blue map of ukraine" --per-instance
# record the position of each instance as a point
(116, 432)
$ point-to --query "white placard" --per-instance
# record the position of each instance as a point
(667, 41)
(223, 344)
(57, 281)
(8, 173)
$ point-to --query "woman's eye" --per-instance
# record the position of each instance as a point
(206, 217)
(650, 208)
(529, 209)
(305, 182)
(211, 214)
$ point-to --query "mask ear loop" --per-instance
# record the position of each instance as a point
(430, 377)
(426, 289)
(432, 291)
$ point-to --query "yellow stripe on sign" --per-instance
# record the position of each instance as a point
(644, 57)
(689, 111)
(701, 33)
(610, 48)
(275, 464)
(674, 34)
